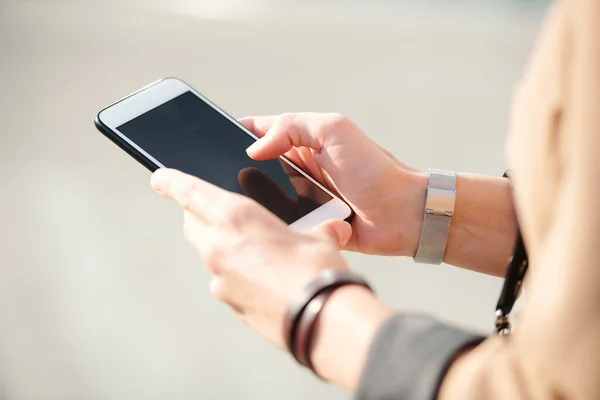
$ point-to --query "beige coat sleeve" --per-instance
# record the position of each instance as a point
(554, 152)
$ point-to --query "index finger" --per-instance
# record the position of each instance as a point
(193, 194)
(258, 125)
(286, 131)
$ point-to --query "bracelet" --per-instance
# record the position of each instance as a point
(303, 312)
(439, 208)
(307, 325)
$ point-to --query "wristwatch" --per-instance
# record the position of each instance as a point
(439, 208)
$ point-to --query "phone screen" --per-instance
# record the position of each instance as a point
(188, 134)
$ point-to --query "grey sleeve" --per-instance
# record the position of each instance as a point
(410, 356)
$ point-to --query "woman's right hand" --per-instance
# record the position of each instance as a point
(386, 195)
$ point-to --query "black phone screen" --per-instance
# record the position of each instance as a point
(188, 134)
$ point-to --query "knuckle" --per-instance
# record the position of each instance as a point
(320, 248)
(212, 257)
(337, 121)
(287, 118)
(212, 254)
(167, 187)
(287, 123)
(239, 213)
(235, 217)
(217, 289)
(188, 196)
(331, 246)
(331, 125)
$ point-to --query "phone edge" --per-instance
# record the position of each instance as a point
(149, 164)
(116, 139)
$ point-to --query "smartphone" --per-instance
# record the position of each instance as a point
(169, 124)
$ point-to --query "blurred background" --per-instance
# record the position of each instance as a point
(100, 297)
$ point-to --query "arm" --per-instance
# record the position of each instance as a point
(481, 238)
(365, 349)
(555, 352)
(387, 196)
(483, 229)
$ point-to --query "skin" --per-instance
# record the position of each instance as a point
(387, 195)
(256, 260)
(553, 151)
(258, 263)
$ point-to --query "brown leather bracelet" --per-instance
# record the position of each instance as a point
(328, 281)
(305, 332)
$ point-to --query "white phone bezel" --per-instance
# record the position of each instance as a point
(160, 92)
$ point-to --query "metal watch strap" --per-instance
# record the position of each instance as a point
(439, 208)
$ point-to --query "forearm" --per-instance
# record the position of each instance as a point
(483, 228)
(345, 331)
(366, 349)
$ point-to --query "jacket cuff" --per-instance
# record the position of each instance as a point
(410, 356)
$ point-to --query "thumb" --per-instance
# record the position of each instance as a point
(337, 231)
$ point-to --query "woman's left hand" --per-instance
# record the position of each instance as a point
(258, 263)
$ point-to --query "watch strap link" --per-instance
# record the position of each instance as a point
(439, 208)
(434, 236)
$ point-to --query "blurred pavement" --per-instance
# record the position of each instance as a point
(100, 297)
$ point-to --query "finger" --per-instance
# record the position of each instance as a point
(206, 240)
(308, 163)
(336, 231)
(206, 201)
(215, 206)
(294, 130)
(219, 291)
(195, 231)
(301, 156)
(308, 195)
(258, 125)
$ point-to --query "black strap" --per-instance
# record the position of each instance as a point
(329, 279)
(515, 273)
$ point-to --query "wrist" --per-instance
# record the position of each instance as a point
(411, 207)
(343, 335)
(483, 229)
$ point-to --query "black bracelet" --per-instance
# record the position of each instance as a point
(307, 326)
(327, 282)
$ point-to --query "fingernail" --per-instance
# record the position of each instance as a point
(159, 177)
(253, 147)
